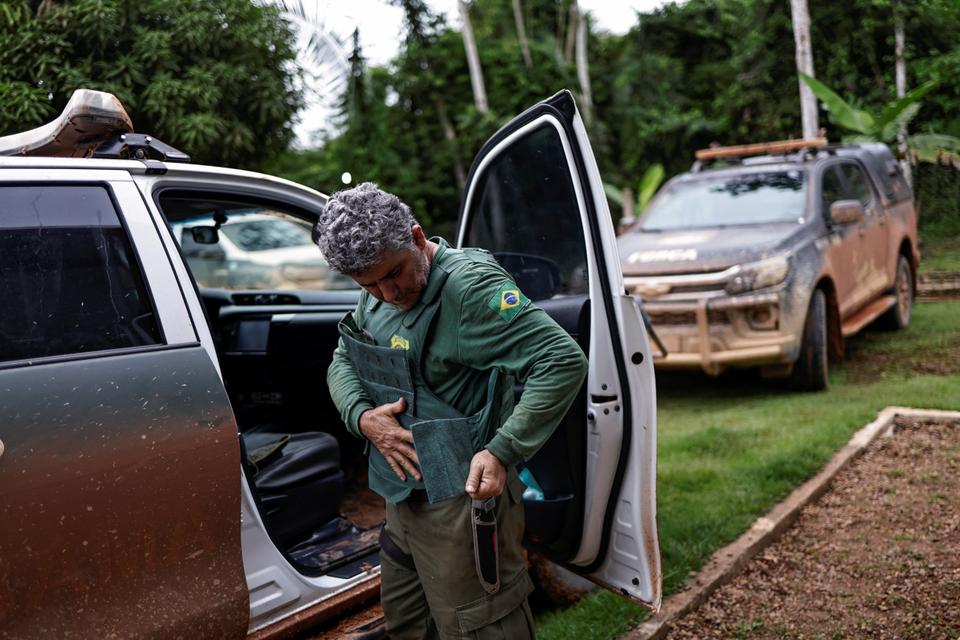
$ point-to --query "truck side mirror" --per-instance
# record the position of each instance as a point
(205, 234)
(846, 212)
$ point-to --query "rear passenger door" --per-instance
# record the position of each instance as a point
(846, 250)
(534, 198)
(118, 475)
(874, 231)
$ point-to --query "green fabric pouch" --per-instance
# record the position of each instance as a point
(446, 446)
(384, 372)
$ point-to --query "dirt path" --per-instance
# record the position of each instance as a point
(878, 556)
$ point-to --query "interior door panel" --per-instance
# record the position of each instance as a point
(555, 523)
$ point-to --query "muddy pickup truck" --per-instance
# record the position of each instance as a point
(770, 255)
(171, 465)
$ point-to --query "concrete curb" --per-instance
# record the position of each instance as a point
(730, 560)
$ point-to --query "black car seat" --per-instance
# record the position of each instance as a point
(297, 479)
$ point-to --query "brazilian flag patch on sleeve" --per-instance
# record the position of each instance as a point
(508, 302)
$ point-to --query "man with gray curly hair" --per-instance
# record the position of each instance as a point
(359, 224)
(425, 371)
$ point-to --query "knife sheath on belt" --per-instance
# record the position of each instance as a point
(484, 520)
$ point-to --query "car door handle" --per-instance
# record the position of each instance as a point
(1, 448)
(602, 399)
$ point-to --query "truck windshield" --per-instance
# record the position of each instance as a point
(744, 199)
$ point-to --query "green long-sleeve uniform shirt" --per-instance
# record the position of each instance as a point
(472, 334)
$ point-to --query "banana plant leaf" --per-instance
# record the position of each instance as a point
(649, 183)
(840, 110)
(935, 147)
(613, 193)
(903, 109)
(888, 130)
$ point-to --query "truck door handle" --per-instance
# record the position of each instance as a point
(599, 399)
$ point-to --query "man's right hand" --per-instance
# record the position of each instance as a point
(381, 428)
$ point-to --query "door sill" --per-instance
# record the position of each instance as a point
(868, 314)
(329, 614)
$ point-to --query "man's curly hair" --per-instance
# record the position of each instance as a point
(358, 225)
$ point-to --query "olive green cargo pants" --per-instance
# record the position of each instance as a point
(430, 587)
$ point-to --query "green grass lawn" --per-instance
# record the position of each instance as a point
(940, 254)
(731, 447)
(940, 246)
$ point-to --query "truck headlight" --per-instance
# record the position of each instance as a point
(756, 275)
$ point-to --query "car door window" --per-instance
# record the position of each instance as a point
(68, 275)
(832, 188)
(526, 202)
(858, 188)
(256, 244)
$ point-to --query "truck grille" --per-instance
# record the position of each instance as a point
(696, 288)
(672, 318)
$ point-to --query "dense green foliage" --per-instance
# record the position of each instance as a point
(730, 448)
(214, 79)
(218, 80)
(413, 127)
(681, 78)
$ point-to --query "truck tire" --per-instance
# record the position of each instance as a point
(898, 316)
(810, 369)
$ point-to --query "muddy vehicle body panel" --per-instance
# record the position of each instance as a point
(108, 399)
(737, 295)
(94, 490)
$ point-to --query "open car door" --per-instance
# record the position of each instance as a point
(535, 200)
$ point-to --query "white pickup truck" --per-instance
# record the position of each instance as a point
(170, 463)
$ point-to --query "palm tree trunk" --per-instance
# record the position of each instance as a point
(473, 60)
(901, 81)
(571, 32)
(801, 35)
(629, 209)
(46, 6)
(583, 69)
(522, 34)
(559, 35)
(451, 135)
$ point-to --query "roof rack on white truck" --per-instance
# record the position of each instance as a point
(94, 124)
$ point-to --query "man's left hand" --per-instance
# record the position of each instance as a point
(487, 476)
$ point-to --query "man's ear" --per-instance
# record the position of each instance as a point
(419, 238)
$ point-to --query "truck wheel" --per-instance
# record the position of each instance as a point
(810, 369)
(898, 316)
